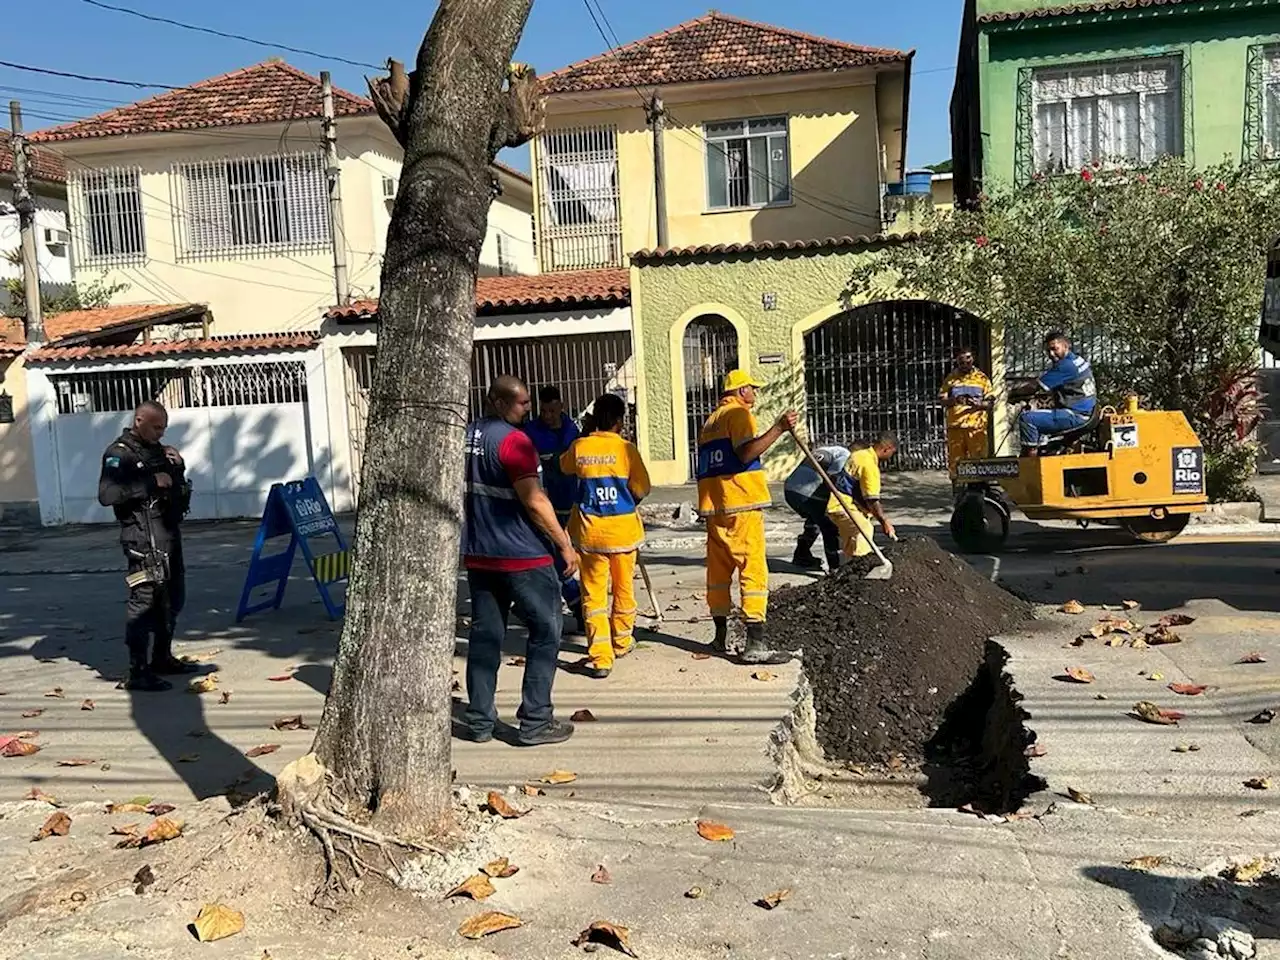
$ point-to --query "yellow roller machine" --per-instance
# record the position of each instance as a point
(1139, 469)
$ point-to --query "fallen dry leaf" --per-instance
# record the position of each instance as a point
(1138, 643)
(771, 900)
(56, 694)
(161, 830)
(1253, 657)
(200, 657)
(583, 716)
(205, 684)
(1079, 796)
(1258, 783)
(516, 662)
(290, 723)
(87, 705)
(216, 922)
(130, 807)
(1175, 620)
(1035, 750)
(483, 924)
(28, 714)
(694, 893)
(1263, 716)
(145, 877)
(76, 762)
(501, 868)
(601, 875)
(281, 677)
(1130, 604)
(225, 697)
(160, 809)
(1187, 748)
(498, 804)
(558, 777)
(1079, 675)
(1148, 711)
(710, 830)
(58, 825)
(609, 934)
(477, 887)
(27, 735)
(1072, 606)
(1147, 863)
(762, 675)
(1161, 636)
(125, 830)
(1156, 676)
(1248, 872)
(13, 747)
(529, 790)
(1188, 689)
(261, 750)
(35, 793)
(1080, 640)
(702, 656)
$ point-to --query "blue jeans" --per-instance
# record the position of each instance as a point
(534, 596)
(1038, 427)
(570, 588)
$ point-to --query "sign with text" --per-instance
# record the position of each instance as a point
(987, 469)
(298, 510)
(1188, 470)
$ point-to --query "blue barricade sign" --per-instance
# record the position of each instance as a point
(298, 510)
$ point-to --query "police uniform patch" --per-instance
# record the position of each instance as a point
(112, 463)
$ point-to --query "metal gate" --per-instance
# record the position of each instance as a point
(583, 366)
(710, 351)
(878, 367)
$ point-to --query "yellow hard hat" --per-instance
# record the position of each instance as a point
(735, 380)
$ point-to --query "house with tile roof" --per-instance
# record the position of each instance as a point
(47, 180)
(217, 193)
(768, 134)
(1045, 88)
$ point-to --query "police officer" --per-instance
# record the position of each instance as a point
(145, 483)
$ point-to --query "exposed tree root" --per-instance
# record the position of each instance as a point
(304, 799)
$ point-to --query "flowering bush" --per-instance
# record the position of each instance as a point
(1158, 278)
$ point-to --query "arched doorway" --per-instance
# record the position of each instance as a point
(710, 351)
(878, 367)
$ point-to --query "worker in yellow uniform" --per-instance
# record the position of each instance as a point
(859, 486)
(605, 526)
(966, 395)
(732, 495)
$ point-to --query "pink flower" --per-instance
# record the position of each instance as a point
(1199, 184)
(1086, 175)
(1220, 187)
(1103, 230)
(1142, 178)
(981, 241)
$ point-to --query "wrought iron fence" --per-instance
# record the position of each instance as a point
(878, 367)
(710, 350)
(223, 385)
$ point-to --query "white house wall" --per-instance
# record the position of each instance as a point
(53, 259)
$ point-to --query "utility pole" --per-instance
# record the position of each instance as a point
(657, 120)
(27, 220)
(337, 231)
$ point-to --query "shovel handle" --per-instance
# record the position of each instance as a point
(813, 461)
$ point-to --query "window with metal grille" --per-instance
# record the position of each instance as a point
(253, 203)
(1269, 94)
(748, 163)
(1128, 111)
(224, 385)
(580, 221)
(107, 213)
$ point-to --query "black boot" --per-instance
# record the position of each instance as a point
(805, 560)
(758, 652)
(142, 677)
(720, 643)
(834, 560)
(164, 663)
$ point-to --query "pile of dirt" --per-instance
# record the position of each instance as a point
(891, 661)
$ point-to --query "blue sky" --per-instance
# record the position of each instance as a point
(73, 36)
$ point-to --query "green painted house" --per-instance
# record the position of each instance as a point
(1048, 89)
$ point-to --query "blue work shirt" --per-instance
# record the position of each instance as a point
(550, 443)
(804, 480)
(1070, 381)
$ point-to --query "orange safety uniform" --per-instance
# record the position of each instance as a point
(859, 484)
(966, 426)
(732, 496)
(607, 532)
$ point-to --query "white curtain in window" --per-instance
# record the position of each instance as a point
(582, 192)
(1271, 104)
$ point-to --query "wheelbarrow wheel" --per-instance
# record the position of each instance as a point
(1157, 529)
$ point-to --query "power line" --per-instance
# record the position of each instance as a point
(137, 85)
(232, 36)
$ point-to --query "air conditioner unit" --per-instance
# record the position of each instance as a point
(389, 187)
(54, 237)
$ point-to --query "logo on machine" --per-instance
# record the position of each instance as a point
(987, 469)
(1124, 435)
(1188, 470)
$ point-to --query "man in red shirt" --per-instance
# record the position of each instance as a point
(511, 529)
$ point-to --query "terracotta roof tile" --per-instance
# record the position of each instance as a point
(828, 245)
(514, 294)
(133, 351)
(267, 92)
(45, 166)
(86, 323)
(1101, 6)
(713, 47)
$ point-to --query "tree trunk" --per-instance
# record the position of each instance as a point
(385, 732)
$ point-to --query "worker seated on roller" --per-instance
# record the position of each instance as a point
(605, 524)
(859, 486)
(1069, 381)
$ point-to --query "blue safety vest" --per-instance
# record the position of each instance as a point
(496, 523)
(562, 489)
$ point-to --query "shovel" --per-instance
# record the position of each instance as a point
(885, 570)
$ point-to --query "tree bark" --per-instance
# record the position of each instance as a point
(385, 732)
